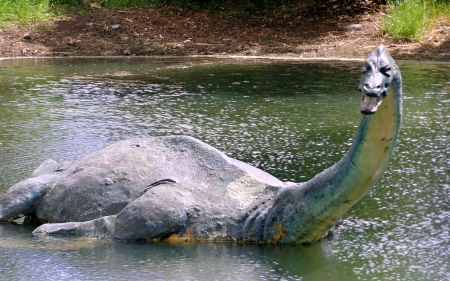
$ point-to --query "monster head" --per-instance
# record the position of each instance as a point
(377, 75)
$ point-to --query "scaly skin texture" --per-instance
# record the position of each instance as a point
(305, 213)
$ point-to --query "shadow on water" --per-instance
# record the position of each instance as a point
(56, 258)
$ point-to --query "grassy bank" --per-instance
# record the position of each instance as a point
(406, 20)
(411, 20)
(24, 11)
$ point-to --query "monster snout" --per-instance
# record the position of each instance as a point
(372, 89)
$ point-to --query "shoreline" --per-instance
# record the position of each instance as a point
(172, 32)
(277, 57)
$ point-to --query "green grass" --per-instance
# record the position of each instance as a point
(24, 11)
(410, 20)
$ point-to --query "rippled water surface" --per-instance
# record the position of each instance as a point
(292, 119)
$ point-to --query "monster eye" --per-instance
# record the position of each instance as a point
(365, 69)
(386, 70)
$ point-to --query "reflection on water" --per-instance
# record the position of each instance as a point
(290, 119)
(62, 259)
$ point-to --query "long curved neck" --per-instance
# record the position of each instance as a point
(372, 147)
(370, 152)
(324, 199)
(356, 173)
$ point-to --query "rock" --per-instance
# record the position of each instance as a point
(126, 52)
(141, 189)
(27, 36)
(25, 196)
(115, 26)
(99, 228)
(73, 42)
(95, 5)
(22, 219)
(106, 182)
(353, 27)
(47, 167)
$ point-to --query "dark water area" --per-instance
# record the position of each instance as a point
(291, 119)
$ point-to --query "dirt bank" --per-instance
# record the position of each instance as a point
(173, 31)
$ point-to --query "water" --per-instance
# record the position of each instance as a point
(291, 119)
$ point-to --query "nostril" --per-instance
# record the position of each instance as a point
(378, 87)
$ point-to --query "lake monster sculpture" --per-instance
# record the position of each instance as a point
(180, 189)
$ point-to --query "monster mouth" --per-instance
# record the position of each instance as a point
(370, 104)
